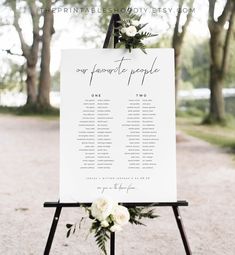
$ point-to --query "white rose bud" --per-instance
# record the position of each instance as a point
(121, 215)
(135, 23)
(101, 209)
(104, 224)
(131, 31)
(123, 30)
(115, 228)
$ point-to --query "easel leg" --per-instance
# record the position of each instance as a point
(112, 243)
(52, 230)
(181, 229)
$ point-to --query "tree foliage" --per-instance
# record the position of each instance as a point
(112, 6)
(13, 77)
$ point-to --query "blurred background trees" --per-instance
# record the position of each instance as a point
(40, 34)
(201, 60)
(29, 51)
(220, 40)
(179, 33)
(43, 100)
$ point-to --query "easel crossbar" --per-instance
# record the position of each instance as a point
(129, 205)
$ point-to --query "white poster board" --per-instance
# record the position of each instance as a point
(117, 125)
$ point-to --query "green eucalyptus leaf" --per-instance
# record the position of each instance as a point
(69, 225)
(120, 45)
(68, 233)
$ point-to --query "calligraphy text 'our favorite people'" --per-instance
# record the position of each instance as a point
(120, 69)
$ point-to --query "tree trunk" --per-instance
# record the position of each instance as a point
(217, 112)
(219, 48)
(177, 70)
(177, 43)
(30, 52)
(31, 84)
(45, 77)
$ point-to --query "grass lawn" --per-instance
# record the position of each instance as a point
(52, 113)
(223, 136)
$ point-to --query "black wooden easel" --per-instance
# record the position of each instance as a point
(113, 27)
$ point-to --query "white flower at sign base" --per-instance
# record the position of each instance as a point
(121, 215)
(107, 216)
(104, 224)
(131, 31)
(115, 228)
(123, 30)
(101, 209)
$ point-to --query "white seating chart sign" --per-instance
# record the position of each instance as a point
(117, 125)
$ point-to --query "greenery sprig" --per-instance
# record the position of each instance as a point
(129, 33)
(138, 213)
(101, 235)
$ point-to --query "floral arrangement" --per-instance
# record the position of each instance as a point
(130, 35)
(108, 217)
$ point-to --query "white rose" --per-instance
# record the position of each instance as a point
(123, 30)
(104, 224)
(121, 215)
(115, 228)
(135, 22)
(131, 31)
(101, 209)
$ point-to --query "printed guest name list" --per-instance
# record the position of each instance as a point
(117, 126)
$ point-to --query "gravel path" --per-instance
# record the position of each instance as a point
(29, 175)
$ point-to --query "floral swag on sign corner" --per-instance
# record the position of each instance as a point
(107, 217)
(130, 33)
